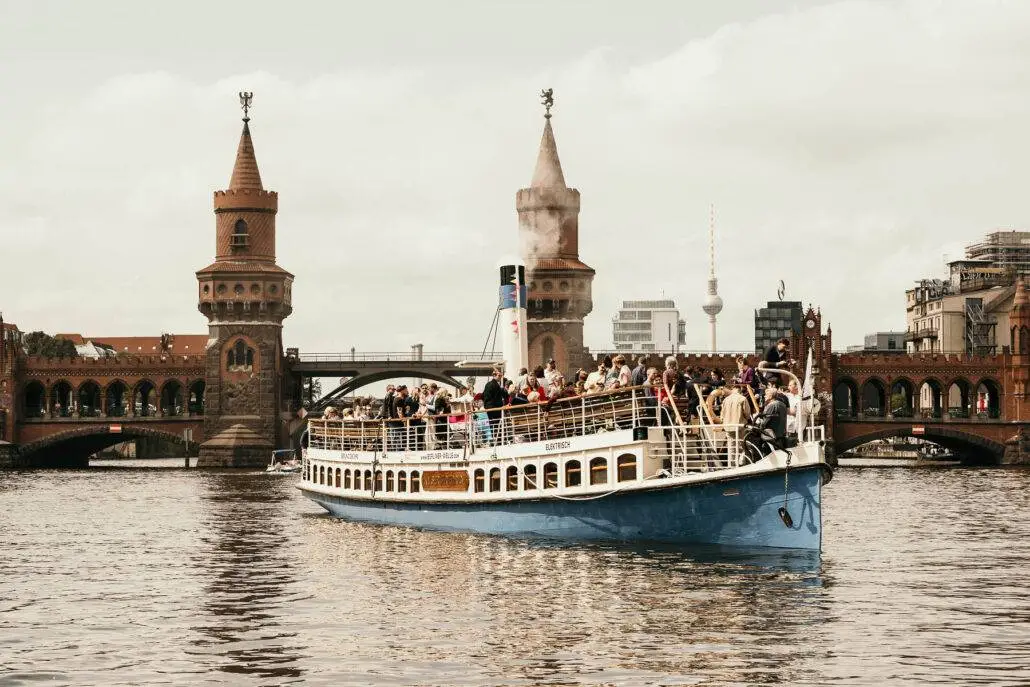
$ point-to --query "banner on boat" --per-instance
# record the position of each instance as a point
(445, 480)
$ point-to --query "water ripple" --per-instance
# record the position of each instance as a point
(129, 576)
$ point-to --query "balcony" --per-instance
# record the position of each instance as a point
(921, 334)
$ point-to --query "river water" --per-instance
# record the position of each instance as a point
(122, 575)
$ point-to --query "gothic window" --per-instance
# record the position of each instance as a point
(240, 356)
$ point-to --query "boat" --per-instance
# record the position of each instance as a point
(281, 464)
(610, 465)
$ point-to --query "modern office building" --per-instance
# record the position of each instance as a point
(649, 326)
(777, 320)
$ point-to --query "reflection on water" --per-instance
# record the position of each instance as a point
(128, 576)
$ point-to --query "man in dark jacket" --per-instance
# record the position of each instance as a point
(775, 411)
(386, 412)
(494, 396)
(639, 372)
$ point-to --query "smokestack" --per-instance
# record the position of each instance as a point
(514, 343)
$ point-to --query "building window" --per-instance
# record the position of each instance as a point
(240, 357)
(240, 237)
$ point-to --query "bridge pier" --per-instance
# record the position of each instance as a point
(1017, 449)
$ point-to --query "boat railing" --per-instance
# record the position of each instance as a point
(704, 444)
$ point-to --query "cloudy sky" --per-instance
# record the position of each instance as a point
(847, 146)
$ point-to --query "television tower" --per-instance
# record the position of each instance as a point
(713, 302)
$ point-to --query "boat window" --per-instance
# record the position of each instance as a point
(479, 480)
(513, 479)
(379, 480)
(550, 475)
(368, 480)
(402, 481)
(346, 478)
(573, 474)
(627, 463)
(337, 477)
(321, 474)
(495, 479)
(599, 471)
(529, 477)
(416, 482)
(389, 480)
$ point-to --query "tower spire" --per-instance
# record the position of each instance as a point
(548, 172)
(245, 174)
(713, 303)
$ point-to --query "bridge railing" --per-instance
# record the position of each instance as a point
(390, 356)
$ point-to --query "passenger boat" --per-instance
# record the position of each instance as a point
(284, 462)
(599, 466)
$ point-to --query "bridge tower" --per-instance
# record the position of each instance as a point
(1019, 324)
(559, 283)
(245, 296)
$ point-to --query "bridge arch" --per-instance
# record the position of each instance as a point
(361, 380)
(117, 394)
(845, 398)
(949, 436)
(172, 398)
(144, 400)
(33, 399)
(958, 397)
(931, 398)
(74, 446)
(901, 398)
(89, 399)
(195, 397)
(988, 397)
(873, 397)
(61, 398)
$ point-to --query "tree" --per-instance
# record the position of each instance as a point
(42, 344)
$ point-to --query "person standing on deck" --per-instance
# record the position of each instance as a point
(776, 358)
(494, 397)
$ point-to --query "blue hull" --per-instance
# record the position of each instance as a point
(731, 512)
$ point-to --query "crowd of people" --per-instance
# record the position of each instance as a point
(678, 394)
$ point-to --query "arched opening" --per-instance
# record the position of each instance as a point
(479, 480)
(321, 474)
(988, 399)
(901, 398)
(33, 400)
(368, 480)
(346, 479)
(845, 399)
(172, 398)
(573, 473)
(117, 399)
(529, 477)
(61, 400)
(357, 480)
(599, 471)
(402, 481)
(495, 479)
(958, 399)
(89, 400)
(337, 480)
(195, 403)
(931, 399)
(389, 480)
(416, 482)
(240, 231)
(379, 480)
(144, 399)
(512, 479)
(546, 350)
(874, 398)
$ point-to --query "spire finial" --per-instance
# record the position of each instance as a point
(246, 97)
(547, 99)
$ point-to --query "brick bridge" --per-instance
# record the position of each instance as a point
(65, 409)
(976, 405)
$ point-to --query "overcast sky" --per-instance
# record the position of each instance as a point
(847, 146)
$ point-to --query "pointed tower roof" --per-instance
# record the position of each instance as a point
(245, 174)
(1021, 299)
(548, 172)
